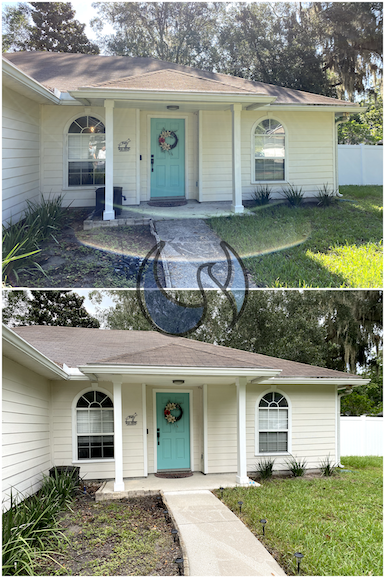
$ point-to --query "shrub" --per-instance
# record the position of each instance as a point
(326, 196)
(293, 195)
(262, 195)
(297, 467)
(264, 468)
(327, 467)
(21, 240)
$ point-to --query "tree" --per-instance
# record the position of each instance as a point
(180, 32)
(48, 26)
(364, 127)
(366, 399)
(272, 43)
(62, 308)
(350, 36)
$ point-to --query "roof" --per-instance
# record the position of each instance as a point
(75, 346)
(69, 72)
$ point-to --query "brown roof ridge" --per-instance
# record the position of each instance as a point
(174, 71)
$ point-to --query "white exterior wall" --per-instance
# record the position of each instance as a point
(216, 155)
(309, 142)
(21, 154)
(55, 125)
(222, 428)
(26, 429)
(312, 428)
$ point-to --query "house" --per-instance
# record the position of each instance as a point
(99, 400)
(74, 123)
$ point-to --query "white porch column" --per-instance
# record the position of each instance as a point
(241, 433)
(118, 437)
(109, 213)
(137, 148)
(144, 412)
(236, 206)
(205, 432)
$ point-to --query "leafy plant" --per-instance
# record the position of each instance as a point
(326, 196)
(327, 467)
(264, 468)
(293, 195)
(296, 466)
(262, 195)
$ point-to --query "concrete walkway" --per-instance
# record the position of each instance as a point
(214, 540)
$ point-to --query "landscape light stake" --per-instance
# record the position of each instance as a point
(221, 489)
(179, 561)
(263, 522)
(240, 506)
(165, 512)
(299, 557)
(174, 532)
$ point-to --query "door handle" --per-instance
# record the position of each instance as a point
(152, 163)
(158, 435)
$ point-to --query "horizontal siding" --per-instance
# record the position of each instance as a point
(26, 429)
(222, 429)
(133, 450)
(313, 423)
(309, 149)
(216, 156)
(21, 153)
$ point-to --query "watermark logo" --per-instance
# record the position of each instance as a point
(168, 315)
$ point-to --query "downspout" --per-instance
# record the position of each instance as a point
(345, 118)
(340, 394)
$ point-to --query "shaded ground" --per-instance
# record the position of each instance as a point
(129, 537)
(105, 257)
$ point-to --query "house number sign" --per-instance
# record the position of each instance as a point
(130, 420)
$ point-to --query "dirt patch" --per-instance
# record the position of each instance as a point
(102, 257)
(129, 537)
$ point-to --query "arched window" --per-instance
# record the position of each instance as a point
(269, 151)
(86, 152)
(95, 426)
(273, 424)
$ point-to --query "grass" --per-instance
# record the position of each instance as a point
(312, 246)
(335, 522)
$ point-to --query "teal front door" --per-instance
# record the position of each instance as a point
(173, 439)
(167, 166)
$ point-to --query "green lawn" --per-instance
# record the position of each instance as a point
(335, 522)
(311, 246)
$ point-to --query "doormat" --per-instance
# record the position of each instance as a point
(167, 203)
(172, 475)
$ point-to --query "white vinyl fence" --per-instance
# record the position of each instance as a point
(362, 436)
(360, 164)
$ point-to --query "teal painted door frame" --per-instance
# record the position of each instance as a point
(172, 439)
(167, 168)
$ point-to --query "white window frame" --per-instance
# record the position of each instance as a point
(289, 427)
(286, 168)
(66, 161)
(75, 459)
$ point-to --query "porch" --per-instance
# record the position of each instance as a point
(134, 487)
(144, 212)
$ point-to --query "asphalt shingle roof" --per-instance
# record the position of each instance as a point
(67, 72)
(76, 346)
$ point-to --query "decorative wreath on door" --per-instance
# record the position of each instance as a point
(169, 408)
(162, 140)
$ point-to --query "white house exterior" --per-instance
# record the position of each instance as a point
(232, 134)
(238, 407)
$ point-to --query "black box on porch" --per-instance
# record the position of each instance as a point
(100, 200)
(73, 471)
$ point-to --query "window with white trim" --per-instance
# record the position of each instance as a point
(273, 423)
(86, 152)
(269, 151)
(95, 426)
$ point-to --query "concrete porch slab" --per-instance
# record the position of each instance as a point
(151, 485)
(143, 213)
